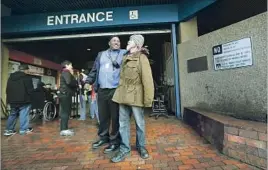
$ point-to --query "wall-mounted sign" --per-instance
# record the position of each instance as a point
(50, 72)
(233, 54)
(36, 70)
(37, 61)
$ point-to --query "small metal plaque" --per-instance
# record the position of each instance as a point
(197, 64)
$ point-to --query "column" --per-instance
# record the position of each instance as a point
(4, 72)
(188, 30)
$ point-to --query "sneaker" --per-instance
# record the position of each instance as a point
(143, 153)
(28, 131)
(9, 132)
(71, 130)
(67, 133)
(120, 156)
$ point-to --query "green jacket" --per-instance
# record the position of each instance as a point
(136, 87)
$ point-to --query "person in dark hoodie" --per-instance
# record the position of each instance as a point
(19, 90)
(68, 86)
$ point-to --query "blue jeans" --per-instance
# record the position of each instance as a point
(94, 108)
(23, 113)
(124, 129)
(83, 108)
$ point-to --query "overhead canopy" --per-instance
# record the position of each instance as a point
(108, 17)
(21, 7)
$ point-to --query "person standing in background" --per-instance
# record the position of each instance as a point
(68, 86)
(94, 106)
(82, 96)
(19, 90)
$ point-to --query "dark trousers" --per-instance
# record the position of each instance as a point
(65, 111)
(108, 113)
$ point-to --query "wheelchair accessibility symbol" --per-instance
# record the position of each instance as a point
(134, 14)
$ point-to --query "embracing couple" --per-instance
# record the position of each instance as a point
(123, 80)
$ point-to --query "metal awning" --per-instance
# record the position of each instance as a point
(75, 36)
(43, 6)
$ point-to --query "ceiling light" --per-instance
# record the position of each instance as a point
(88, 49)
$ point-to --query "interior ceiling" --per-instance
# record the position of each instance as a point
(40, 6)
(76, 51)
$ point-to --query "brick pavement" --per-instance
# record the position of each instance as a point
(171, 143)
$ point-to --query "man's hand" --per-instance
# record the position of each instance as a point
(87, 87)
(80, 86)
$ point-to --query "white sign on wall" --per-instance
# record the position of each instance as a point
(35, 70)
(233, 54)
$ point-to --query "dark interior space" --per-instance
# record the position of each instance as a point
(83, 51)
(226, 12)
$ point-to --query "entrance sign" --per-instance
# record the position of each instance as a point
(233, 54)
(96, 18)
(78, 19)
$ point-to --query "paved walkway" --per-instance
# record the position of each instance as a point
(171, 143)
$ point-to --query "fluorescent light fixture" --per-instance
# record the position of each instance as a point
(88, 49)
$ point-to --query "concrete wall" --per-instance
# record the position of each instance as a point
(241, 92)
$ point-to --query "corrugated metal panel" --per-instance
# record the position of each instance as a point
(38, 6)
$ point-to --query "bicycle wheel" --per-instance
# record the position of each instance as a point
(49, 111)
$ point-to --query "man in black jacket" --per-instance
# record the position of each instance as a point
(68, 86)
(19, 90)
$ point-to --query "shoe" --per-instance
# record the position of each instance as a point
(71, 130)
(143, 153)
(28, 131)
(111, 148)
(120, 156)
(9, 132)
(99, 143)
(67, 133)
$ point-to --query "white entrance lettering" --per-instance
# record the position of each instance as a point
(90, 17)
(109, 16)
(80, 18)
(98, 16)
(50, 20)
(58, 19)
(66, 18)
(74, 17)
